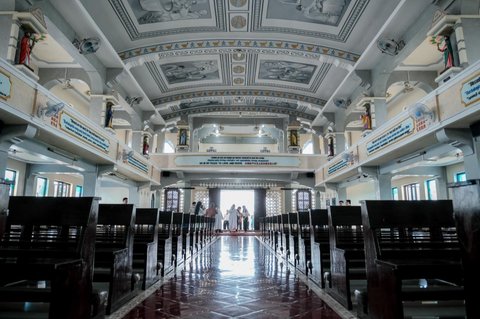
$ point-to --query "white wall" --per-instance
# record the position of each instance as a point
(454, 169)
(239, 148)
(72, 97)
(112, 195)
(404, 101)
(361, 191)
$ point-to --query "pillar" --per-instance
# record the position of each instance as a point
(379, 113)
(318, 203)
(288, 201)
(187, 198)
(3, 160)
(441, 181)
(342, 193)
(133, 195)
(8, 33)
(160, 142)
(29, 188)
(339, 143)
(137, 141)
(316, 144)
(91, 183)
(97, 109)
(383, 186)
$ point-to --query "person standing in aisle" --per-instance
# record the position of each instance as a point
(246, 216)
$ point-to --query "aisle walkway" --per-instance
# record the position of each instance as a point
(236, 277)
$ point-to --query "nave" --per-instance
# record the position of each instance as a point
(235, 277)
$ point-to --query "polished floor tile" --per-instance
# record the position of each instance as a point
(235, 277)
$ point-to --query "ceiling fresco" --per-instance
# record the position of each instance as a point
(188, 71)
(155, 11)
(194, 56)
(286, 71)
(327, 12)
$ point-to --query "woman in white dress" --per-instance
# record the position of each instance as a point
(218, 220)
(232, 218)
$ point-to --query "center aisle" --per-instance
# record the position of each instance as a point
(235, 277)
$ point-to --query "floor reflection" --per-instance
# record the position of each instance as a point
(236, 277)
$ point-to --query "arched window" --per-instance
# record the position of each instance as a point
(172, 200)
(168, 147)
(304, 200)
(308, 148)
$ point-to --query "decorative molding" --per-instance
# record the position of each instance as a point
(238, 108)
(208, 47)
(238, 92)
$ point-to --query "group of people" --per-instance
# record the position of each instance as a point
(235, 219)
(346, 203)
(197, 208)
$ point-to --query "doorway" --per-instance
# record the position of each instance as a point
(229, 197)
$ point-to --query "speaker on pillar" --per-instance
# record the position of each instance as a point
(165, 174)
(310, 174)
(475, 128)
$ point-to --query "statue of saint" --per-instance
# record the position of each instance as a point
(183, 137)
(293, 138)
(109, 115)
(145, 145)
(366, 118)
(26, 46)
(446, 48)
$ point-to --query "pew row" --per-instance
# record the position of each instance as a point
(47, 251)
(412, 254)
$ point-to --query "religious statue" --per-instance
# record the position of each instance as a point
(182, 137)
(445, 46)
(366, 118)
(109, 115)
(331, 146)
(293, 138)
(145, 145)
(26, 46)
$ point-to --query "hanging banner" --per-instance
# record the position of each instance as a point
(237, 161)
(138, 164)
(83, 132)
(471, 90)
(395, 134)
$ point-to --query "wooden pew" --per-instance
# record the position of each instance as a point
(347, 256)
(277, 234)
(304, 244)
(114, 253)
(408, 241)
(285, 236)
(320, 246)
(193, 235)
(186, 237)
(165, 242)
(293, 238)
(50, 239)
(146, 245)
(177, 239)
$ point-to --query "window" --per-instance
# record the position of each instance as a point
(395, 193)
(42, 187)
(308, 148)
(78, 191)
(168, 147)
(172, 200)
(460, 177)
(411, 191)
(11, 177)
(303, 200)
(431, 189)
(61, 189)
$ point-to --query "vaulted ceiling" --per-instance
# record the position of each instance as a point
(275, 56)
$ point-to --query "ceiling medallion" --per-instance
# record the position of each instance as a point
(238, 3)
(238, 69)
(239, 22)
(239, 56)
(238, 81)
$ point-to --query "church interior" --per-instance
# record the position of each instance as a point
(239, 159)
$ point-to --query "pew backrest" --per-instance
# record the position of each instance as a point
(345, 227)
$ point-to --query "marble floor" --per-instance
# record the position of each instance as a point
(235, 277)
